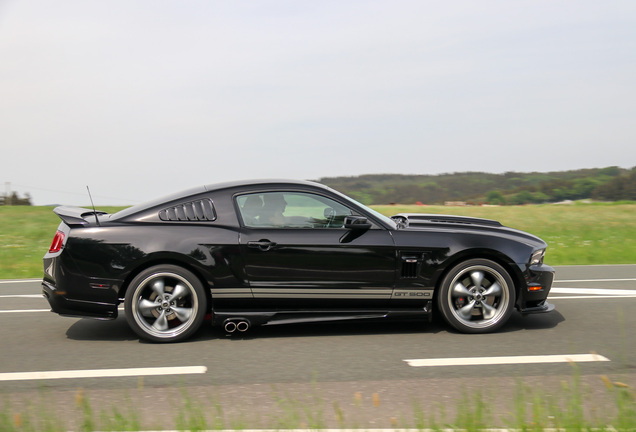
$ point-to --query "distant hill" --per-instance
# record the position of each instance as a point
(611, 184)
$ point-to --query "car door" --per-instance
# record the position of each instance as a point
(298, 253)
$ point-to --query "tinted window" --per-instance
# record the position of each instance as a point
(291, 210)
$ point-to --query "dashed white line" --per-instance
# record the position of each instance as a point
(24, 310)
(572, 294)
(590, 293)
(575, 297)
(593, 291)
(13, 281)
(481, 361)
(102, 373)
(595, 280)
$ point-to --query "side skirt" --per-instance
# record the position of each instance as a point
(295, 317)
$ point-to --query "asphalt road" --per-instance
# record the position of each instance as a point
(352, 374)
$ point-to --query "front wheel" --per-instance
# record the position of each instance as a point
(476, 296)
(165, 303)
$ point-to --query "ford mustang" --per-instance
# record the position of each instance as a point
(243, 254)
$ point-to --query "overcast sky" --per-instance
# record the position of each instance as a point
(141, 98)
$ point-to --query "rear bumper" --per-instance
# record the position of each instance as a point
(62, 305)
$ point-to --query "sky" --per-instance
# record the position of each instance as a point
(142, 98)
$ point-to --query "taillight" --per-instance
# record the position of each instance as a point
(58, 241)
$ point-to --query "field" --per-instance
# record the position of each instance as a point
(25, 236)
(576, 234)
(530, 409)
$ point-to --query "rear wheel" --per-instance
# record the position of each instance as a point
(165, 303)
(477, 296)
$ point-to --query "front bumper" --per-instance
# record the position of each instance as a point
(543, 308)
(534, 293)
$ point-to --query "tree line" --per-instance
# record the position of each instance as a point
(513, 188)
(14, 200)
(605, 184)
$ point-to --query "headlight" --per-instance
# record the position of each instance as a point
(537, 257)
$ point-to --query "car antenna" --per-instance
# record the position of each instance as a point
(93, 204)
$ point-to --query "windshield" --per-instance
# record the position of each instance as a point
(386, 220)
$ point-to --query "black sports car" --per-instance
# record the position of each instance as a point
(272, 252)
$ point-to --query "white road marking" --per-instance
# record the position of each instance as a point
(102, 373)
(585, 293)
(24, 310)
(20, 281)
(593, 291)
(574, 297)
(481, 361)
(595, 280)
(121, 309)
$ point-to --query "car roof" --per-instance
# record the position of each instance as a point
(210, 188)
(260, 182)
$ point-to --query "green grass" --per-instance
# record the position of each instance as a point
(576, 234)
(25, 236)
(571, 405)
(26, 233)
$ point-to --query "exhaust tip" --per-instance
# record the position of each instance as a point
(242, 326)
(230, 327)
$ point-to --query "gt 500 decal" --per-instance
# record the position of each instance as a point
(412, 294)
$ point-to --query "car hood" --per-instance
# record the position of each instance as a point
(421, 221)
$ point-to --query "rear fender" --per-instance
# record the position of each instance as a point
(158, 260)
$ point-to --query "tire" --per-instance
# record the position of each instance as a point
(477, 296)
(165, 303)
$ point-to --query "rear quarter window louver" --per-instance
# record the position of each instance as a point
(200, 210)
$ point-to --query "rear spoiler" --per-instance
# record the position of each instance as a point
(76, 216)
(414, 219)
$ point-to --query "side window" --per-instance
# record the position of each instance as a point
(291, 210)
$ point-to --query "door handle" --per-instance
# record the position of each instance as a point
(263, 245)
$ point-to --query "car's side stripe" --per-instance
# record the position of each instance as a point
(323, 293)
(231, 293)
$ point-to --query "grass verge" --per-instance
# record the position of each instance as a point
(573, 406)
(25, 236)
(576, 234)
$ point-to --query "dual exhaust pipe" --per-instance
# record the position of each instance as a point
(232, 325)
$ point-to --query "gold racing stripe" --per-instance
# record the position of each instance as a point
(335, 293)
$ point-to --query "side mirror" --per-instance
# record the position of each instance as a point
(356, 223)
